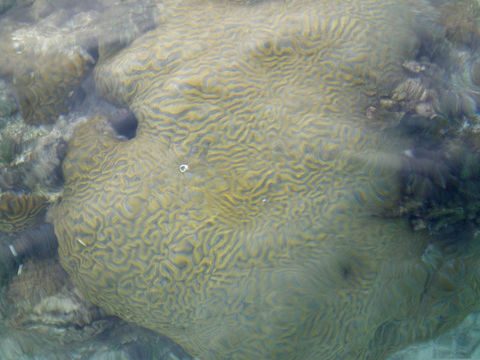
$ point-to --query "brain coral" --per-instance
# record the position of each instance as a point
(242, 219)
(18, 212)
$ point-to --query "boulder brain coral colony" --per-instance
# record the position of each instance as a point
(285, 181)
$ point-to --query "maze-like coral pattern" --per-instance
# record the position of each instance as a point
(19, 212)
(242, 220)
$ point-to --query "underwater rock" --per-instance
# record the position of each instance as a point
(413, 66)
(461, 94)
(475, 72)
(242, 219)
(5, 5)
(17, 143)
(17, 140)
(8, 103)
(461, 19)
(460, 343)
(39, 242)
(129, 20)
(440, 185)
(30, 156)
(30, 173)
(42, 295)
(46, 73)
(44, 170)
(437, 105)
(43, 314)
(49, 56)
(46, 305)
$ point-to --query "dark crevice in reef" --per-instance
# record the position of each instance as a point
(124, 123)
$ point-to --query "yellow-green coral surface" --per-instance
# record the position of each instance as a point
(242, 220)
(19, 212)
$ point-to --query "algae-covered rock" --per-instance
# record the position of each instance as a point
(45, 317)
(8, 103)
(51, 51)
(30, 156)
(46, 73)
(475, 72)
(461, 19)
